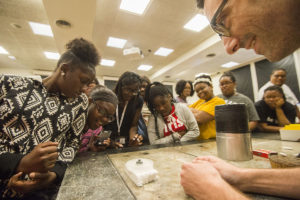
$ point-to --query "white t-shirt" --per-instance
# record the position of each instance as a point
(289, 95)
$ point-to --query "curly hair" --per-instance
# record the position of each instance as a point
(180, 85)
(80, 52)
(127, 78)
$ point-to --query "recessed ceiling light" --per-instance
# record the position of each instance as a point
(163, 51)
(3, 51)
(106, 62)
(12, 57)
(134, 6)
(230, 64)
(144, 67)
(197, 23)
(41, 29)
(52, 55)
(116, 42)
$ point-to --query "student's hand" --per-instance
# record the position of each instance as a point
(116, 145)
(279, 102)
(37, 181)
(182, 133)
(136, 140)
(228, 172)
(41, 159)
(97, 148)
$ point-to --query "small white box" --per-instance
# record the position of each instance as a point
(290, 135)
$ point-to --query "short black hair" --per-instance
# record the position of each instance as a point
(278, 69)
(277, 88)
(80, 52)
(127, 78)
(153, 90)
(230, 75)
(145, 79)
(200, 4)
(180, 85)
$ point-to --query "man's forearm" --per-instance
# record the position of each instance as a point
(278, 182)
(282, 120)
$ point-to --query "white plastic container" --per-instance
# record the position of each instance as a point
(141, 171)
(290, 135)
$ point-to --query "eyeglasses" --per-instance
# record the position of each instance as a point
(103, 112)
(132, 91)
(225, 83)
(219, 28)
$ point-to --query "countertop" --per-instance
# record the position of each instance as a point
(102, 175)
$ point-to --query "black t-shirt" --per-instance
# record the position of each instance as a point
(267, 115)
(133, 105)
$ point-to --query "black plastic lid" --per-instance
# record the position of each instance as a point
(231, 118)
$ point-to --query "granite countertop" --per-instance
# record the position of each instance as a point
(102, 175)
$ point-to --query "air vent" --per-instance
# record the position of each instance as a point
(62, 23)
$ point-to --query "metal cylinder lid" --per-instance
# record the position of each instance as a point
(231, 118)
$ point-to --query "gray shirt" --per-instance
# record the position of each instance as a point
(186, 117)
(240, 98)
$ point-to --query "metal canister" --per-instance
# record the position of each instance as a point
(233, 135)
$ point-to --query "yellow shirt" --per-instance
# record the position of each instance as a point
(208, 129)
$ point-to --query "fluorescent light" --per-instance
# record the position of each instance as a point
(134, 6)
(106, 62)
(52, 55)
(116, 42)
(230, 64)
(163, 51)
(41, 29)
(12, 57)
(3, 51)
(144, 67)
(197, 23)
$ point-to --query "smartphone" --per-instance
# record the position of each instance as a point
(104, 135)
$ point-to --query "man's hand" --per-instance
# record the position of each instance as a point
(41, 159)
(228, 172)
(37, 181)
(200, 180)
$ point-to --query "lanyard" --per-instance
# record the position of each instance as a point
(119, 122)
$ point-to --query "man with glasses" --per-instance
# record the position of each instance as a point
(271, 28)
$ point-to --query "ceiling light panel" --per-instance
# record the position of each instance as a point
(12, 57)
(134, 6)
(230, 64)
(197, 23)
(52, 55)
(41, 29)
(163, 51)
(106, 62)
(144, 67)
(116, 42)
(3, 51)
